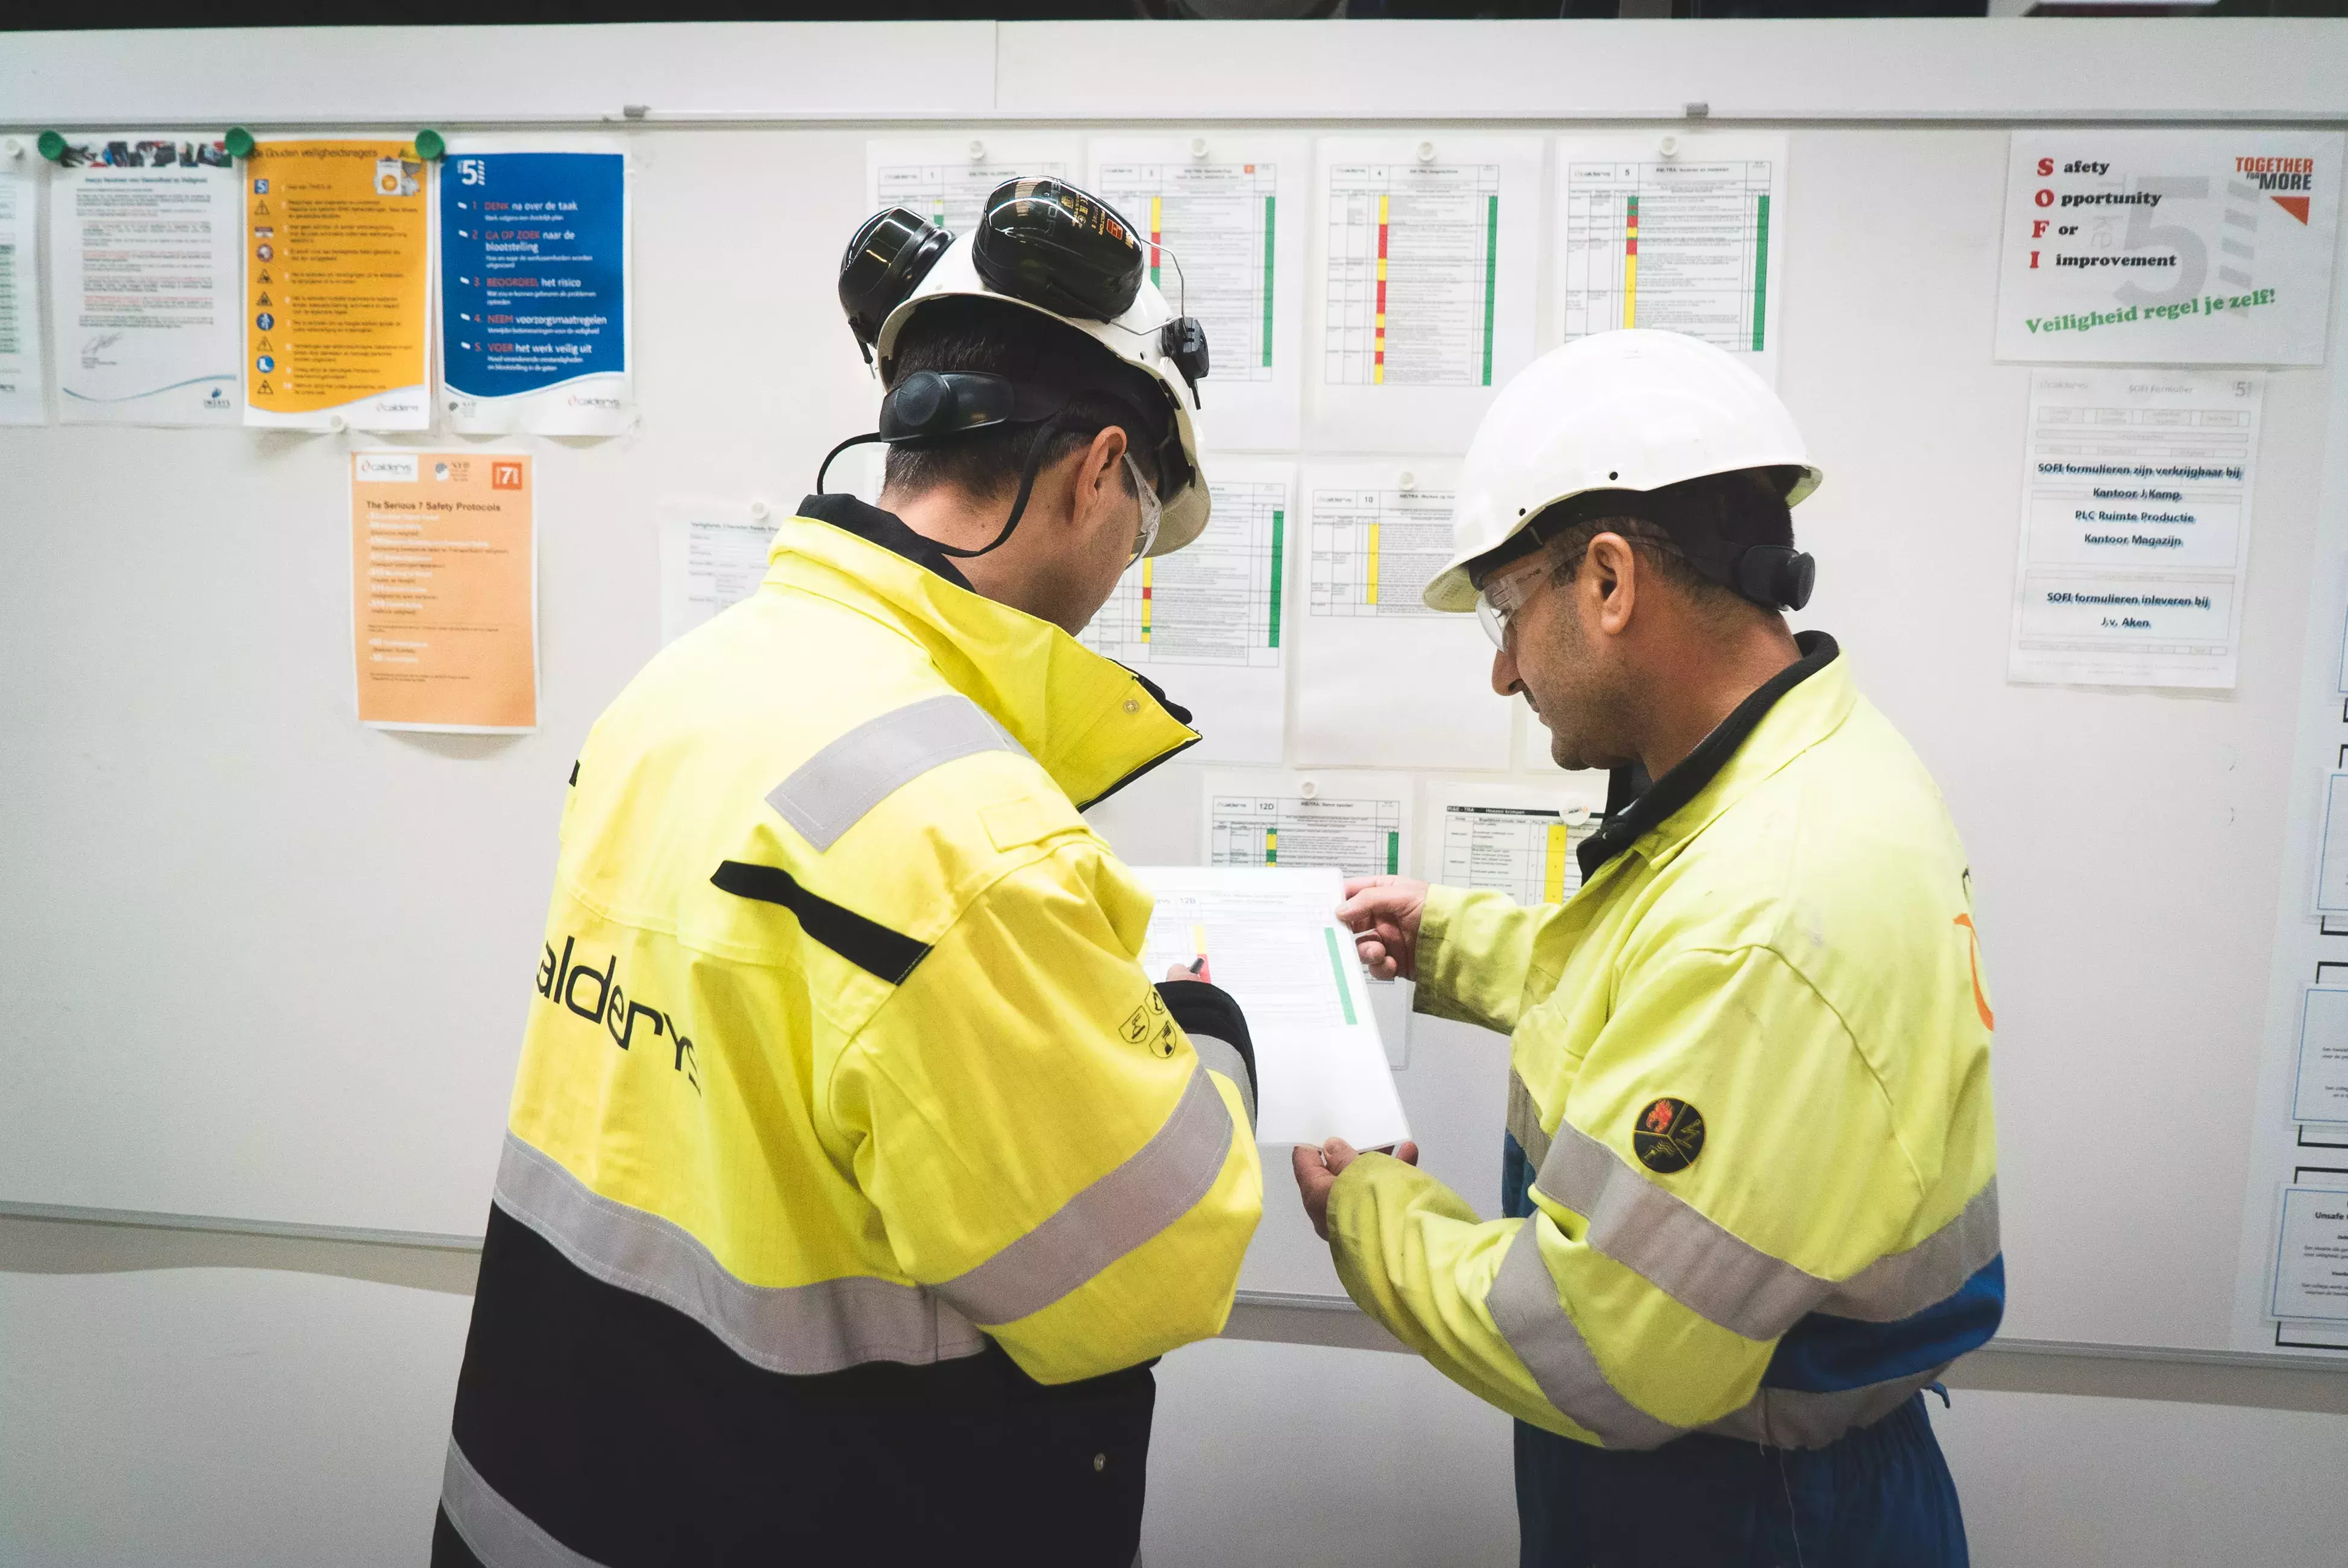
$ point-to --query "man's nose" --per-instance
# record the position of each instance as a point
(1504, 672)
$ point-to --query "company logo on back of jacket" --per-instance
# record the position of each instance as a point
(837, 1205)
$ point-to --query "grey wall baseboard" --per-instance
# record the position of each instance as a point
(37, 1238)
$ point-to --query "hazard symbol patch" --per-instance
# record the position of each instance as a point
(1668, 1135)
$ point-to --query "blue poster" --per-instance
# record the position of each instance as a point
(535, 292)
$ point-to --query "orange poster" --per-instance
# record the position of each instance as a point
(444, 590)
(337, 272)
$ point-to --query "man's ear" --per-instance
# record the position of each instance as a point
(1612, 569)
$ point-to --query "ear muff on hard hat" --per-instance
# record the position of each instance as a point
(1706, 520)
(1045, 246)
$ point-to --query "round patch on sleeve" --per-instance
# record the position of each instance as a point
(1668, 1135)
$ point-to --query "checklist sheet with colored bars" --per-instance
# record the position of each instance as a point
(1208, 623)
(1270, 938)
(1355, 836)
(1413, 253)
(1373, 551)
(939, 180)
(1524, 851)
(1683, 243)
(1210, 230)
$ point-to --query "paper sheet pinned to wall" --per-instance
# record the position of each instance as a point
(1208, 622)
(1513, 839)
(1423, 300)
(536, 282)
(444, 568)
(337, 279)
(713, 556)
(1270, 938)
(1224, 216)
(20, 296)
(144, 281)
(1690, 241)
(2135, 527)
(945, 179)
(1383, 680)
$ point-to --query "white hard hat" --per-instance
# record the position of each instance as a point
(1630, 410)
(1137, 338)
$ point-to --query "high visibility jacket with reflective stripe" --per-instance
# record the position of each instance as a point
(1773, 991)
(840, 1048)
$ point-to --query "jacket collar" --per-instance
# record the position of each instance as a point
(1785, 716)
(1092, 723)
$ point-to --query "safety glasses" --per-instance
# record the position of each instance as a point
(1504, 593)
(1151, 512)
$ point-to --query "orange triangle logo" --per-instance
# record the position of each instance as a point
(2295, 205)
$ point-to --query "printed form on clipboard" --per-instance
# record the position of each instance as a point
(1271, 937)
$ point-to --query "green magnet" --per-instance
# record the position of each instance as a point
(430, 144)
(52, 145)
(238, 142)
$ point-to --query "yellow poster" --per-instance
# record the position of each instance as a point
(337, 269)
(444, 590)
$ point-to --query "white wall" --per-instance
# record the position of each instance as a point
(152, 1412)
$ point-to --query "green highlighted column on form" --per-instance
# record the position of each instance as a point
(1337, 968)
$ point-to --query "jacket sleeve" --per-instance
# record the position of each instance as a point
(1047, 1149)
(1484, 958)
(1637, 1303)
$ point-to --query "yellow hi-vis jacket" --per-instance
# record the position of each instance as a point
(1751, 1063)
(841, 1073)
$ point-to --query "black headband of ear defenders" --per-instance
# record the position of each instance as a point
(1695, 514)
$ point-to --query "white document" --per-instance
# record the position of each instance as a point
(1223, 216)
(946, 180)
(144, 282)
(2168, 247)
(2135, 527)
(2312, 1261)
(535, 310)
(1354, 823)
(1208, 623)
(1692, 243)
(1508, 838)
(1383, 680)
(1423, 299)
(1272, 940)
(20, 296)
(713, 555)
(2331, 848)
(2322, 1093)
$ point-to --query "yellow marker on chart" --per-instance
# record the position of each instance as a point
(1370, 573)
(1554, 870)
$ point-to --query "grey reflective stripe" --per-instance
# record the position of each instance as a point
(1900, 1283)
(1791, 1419)
(1712, 1271)
(501, 1535)
(801, 1329)
(1530, 1316)
(828, 793)
(1524, 1122)
(1224, 1058)
(1108, 1219)
(1697, 1262)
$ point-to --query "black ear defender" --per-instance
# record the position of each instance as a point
(884, 263)
(934, 406)
(1776, 577)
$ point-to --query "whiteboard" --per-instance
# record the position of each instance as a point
(266, 964)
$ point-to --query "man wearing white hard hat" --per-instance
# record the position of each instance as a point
(856, 1172)
(1750, 1167)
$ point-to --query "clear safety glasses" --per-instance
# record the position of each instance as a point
(1505, 593)
(1151, 512)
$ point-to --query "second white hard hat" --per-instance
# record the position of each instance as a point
(1630, 410)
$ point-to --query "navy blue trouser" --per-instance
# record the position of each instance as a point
(1879, 1497)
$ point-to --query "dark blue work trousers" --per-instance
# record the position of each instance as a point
(1879, 1497)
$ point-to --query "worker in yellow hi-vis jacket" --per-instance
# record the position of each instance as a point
(856, 1171)
(1749, 1176)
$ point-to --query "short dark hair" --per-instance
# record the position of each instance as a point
(982, 336)
(1718, 518)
